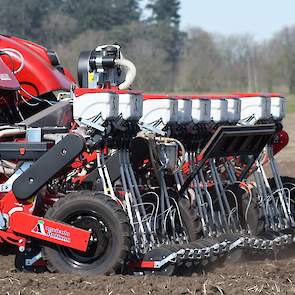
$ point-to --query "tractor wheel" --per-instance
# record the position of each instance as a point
(190, 219)
(250, 215)
(111, 235)
(190, 224)
(288, 183)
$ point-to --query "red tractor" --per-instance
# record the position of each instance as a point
(37, 75)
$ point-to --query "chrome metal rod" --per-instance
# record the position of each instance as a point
(217, 190)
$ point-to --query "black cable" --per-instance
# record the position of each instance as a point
(35, 97)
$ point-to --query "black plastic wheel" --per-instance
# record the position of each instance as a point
(110, 240)
(289, 183)
(190, 225)
(21, 261)
(190, 219)
(250, 214)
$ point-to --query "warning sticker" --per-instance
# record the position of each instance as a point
(5, 77)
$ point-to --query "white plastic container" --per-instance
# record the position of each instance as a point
(92, 104)
(201, 110)
(184, 110)
(257, 106)
(234, 109)
(130, 106)
(164, 109)
(278, 107)
(219, 110)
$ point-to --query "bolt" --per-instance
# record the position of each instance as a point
(21, 248)
(63, 151)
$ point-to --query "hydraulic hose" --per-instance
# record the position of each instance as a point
(6, 171)
(7, 168)
(130, 72)
(12, 132)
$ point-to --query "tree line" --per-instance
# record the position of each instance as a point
(167, 58)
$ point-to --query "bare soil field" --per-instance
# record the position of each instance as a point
(264, 276)
(250, 276)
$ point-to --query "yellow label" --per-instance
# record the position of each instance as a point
(91, 76)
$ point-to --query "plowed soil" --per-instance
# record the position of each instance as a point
(263, 276)
(259, 275)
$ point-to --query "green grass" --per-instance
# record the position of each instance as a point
(290, 103)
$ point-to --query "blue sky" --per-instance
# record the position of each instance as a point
(261, 18)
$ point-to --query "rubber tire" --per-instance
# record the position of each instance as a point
(190, 219)
(285, 180)
(255, 216)
(113, 215)
(189, 215)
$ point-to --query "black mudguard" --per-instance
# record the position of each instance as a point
(46, 167)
